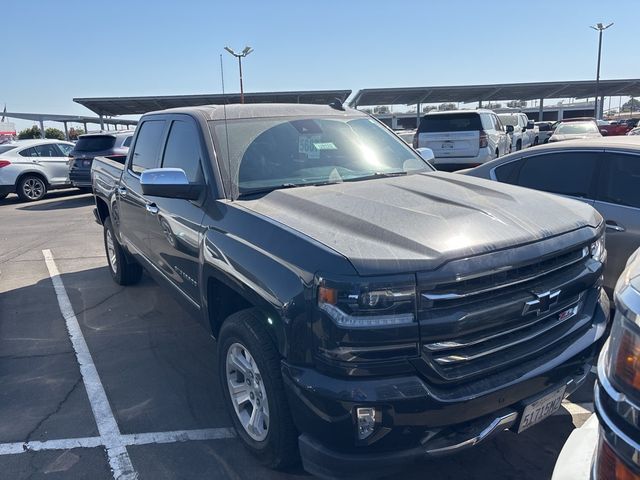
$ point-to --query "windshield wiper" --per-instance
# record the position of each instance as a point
(257, 191)
(376, 175)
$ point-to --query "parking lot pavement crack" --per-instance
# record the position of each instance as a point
(101, 302)
(57, 409)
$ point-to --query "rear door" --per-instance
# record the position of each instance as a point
(618, 201)
(451, 135)
(175, 225)
(53, 163)
(132, 204)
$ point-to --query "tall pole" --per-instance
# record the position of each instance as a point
(600, 28)
(241, 87)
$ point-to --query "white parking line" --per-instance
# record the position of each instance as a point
(119, 460)
(572, 409)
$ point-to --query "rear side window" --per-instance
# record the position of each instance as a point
(127, 141)
(66, 149)
(48, 150)
(183, 150)
(508, 172)
(147, 147)
(452, 122)
(95, 143)
(621, 183)
(568, 173)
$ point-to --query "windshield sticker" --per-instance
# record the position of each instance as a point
(306, 146)
(325, 146)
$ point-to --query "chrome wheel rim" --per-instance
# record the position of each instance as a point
(33, 188)
(247, 392)
(111, 252)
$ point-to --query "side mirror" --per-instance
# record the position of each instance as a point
(169, 183)
(530, 125)
(426, 153)
(509, 128)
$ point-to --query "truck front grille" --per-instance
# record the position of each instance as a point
(478, 325)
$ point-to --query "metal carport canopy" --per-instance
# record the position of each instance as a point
(505, 91)
(138, 105)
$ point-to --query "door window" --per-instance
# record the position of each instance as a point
(569, 173)
(147, 147)
(621, 181)
(65, 149)
(183, 150)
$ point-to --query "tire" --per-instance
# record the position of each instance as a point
(3, 196)
(85, 189)
(518, 146)
(535, 141)
(31, 188)
(275, 446)
(124, 270)
(497, 152)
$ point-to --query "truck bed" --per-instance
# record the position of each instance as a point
(105, 173)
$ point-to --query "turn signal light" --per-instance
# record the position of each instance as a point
(327, 295)
(626, 363)
(611, 467)
(4, 163)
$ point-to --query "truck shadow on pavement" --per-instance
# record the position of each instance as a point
(158, 368)
(76, 201)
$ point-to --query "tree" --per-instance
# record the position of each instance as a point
(428, 108)
(54, 133)
(29, 133)
(491, 106)
(447, 106)
(74, 133)
(626, 107)
(380, 109)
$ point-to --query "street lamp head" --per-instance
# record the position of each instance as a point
(230, 51)
(247, 51)
(601, 27)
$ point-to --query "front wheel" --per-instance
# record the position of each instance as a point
(124, 270)
(249, 368)
(31, 188)
(3, 196)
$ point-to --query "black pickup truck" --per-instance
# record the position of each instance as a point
(368, 310)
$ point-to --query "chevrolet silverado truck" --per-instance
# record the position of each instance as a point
(368, 310)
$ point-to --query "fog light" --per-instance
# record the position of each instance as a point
(367, 419)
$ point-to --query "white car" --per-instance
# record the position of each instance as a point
(462, 138)
(30, 168)
(525, 133)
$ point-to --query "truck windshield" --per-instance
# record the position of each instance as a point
(269, 153)
(509, 120)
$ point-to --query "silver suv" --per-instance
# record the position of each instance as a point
(31, 167)
(462, 138)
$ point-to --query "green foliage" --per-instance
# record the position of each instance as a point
(54, 133)
(626, 107)
(29, 133)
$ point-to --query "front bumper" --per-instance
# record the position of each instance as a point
(418, 420)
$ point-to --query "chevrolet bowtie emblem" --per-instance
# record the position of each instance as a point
(542, 303)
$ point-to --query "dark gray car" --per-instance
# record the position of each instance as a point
(91, 145)
(603, 172)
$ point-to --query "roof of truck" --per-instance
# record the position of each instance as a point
(261, 110)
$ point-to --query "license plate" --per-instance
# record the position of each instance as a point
(447, 145)
(541, 408)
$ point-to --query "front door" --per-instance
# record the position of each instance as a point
(175, 226)
(618, 201)
(132, 212)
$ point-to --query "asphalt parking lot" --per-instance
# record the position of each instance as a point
(145, 393)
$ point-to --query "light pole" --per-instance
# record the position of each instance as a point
(599, 27)
(239, 56)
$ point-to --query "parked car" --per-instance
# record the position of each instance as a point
(612, 129)
(30, 168)
(462, 138)
(573, 130)
(607, 447)
(91, 145)
(545, 130)
(523, 131)
(368, 310)
(406, 135)
(634, 131)
(603, 172)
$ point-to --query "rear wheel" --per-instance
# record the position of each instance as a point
(31, 188)
(249, 369)
(535, 141)
(124, 270)
(3, 196)
(519, 145)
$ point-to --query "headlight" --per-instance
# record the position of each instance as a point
(597, 249)
(365, 304)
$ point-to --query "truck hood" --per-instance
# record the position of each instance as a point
(420, 221)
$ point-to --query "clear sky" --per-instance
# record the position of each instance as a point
(55, 50)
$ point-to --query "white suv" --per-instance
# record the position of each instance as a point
(462, 138)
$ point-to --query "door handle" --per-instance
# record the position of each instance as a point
(152, 208)
(122, 191)
(614, 227)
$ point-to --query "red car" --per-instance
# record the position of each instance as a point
(606, 129)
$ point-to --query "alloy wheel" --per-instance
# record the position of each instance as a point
(111, 252)
(33, 188)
